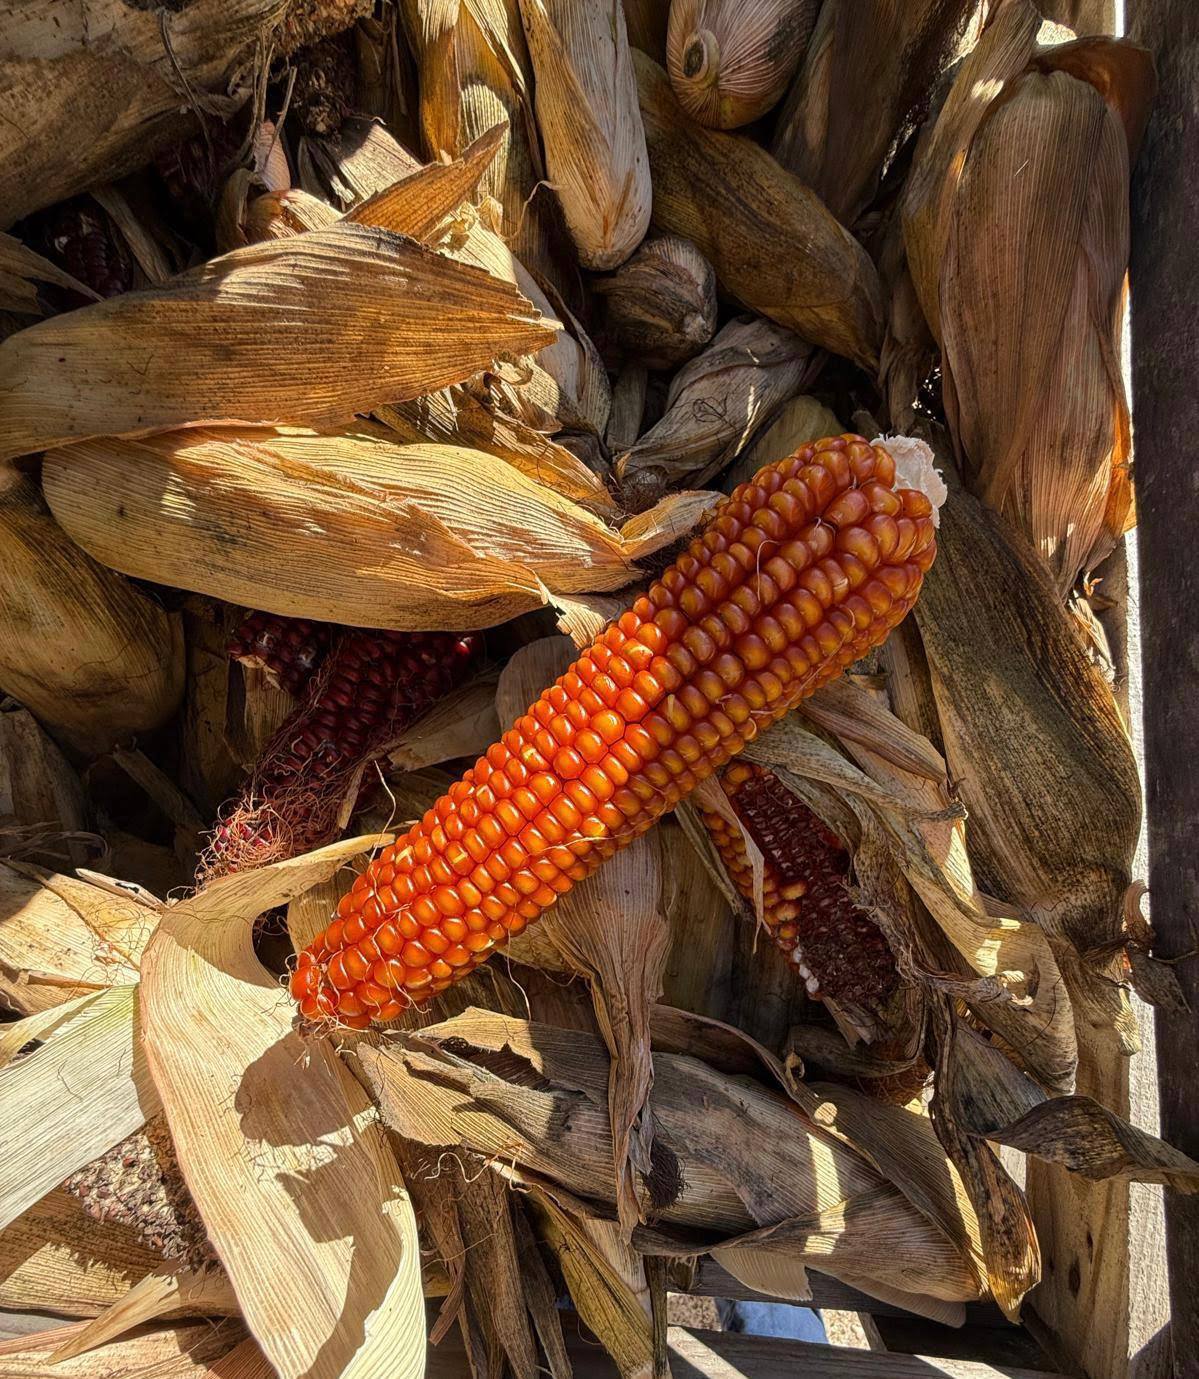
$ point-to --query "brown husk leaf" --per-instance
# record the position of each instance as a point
(93, 658)
(773, 244)
(244, 324)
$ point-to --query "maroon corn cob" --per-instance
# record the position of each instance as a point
(839, 950)
(372, 685)
(290, 650)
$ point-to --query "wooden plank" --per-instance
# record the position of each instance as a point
(1165, 366)
(711, 1281)
(727, 1355)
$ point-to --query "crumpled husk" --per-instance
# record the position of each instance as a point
(586, 99)
(1036, 745)
(21, 270)
(93, 658)
(43, 816)
(661, 305)
(62, 937)
(772, 242)
(715, 404)
(1043, 432)
(753, 1165)
(346, 528)
(867, 68)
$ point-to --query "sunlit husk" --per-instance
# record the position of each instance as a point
(731, 60)
(587, 110)
(1017, 228)
(773, 244)
(351, 529)
(662, 303)
(61, 937)
(90, 656)
(233, 339)
(715, 404)
(869, 65)
(473, 69)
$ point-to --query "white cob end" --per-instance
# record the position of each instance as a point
(914, 468)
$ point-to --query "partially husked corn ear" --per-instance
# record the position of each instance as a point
(797, 574)
(290, 650)
(839, 950)
(372, 685)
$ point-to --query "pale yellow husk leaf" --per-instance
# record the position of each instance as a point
(586, 98)
(56, 1258)
(195, 1350)
(61, 937)
(90, 656)
(351, 529)
(773, 244)
(731, 60)
(72, 1099)
(307, 329)
(277, 1142)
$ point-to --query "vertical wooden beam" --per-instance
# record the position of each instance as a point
(1165, 354)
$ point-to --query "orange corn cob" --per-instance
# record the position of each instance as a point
(797, 574)
(839, 950)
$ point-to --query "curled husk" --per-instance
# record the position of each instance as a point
(89, 655)
(662, 303)
(731, 60)
(587, 110)
(715, 405)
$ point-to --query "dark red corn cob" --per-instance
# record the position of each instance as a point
(81, 237)
(372, 685)
(291, 650)
(796, 576)
(839, 950)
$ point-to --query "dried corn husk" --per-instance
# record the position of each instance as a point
(90, 656)
(126, 97)
(193, 1350)
(797, 422)
(587, 110)
(61, 937)
(731, 60)
(42, 811)
(1043, 432)
(751, 1160)
(869, 65)
(646, 22)
(662, 303)
(716, 402)
(244, 1095)
(56, 1258)
(275, 215)
(20, 269)
(1036, 743)
(357, 161)
(771, 241)
(118, 366)
(346, 528)
(473, 68)
(628, 407)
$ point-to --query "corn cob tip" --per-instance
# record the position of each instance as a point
(794, 577)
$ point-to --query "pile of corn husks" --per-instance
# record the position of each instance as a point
(457, 318)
